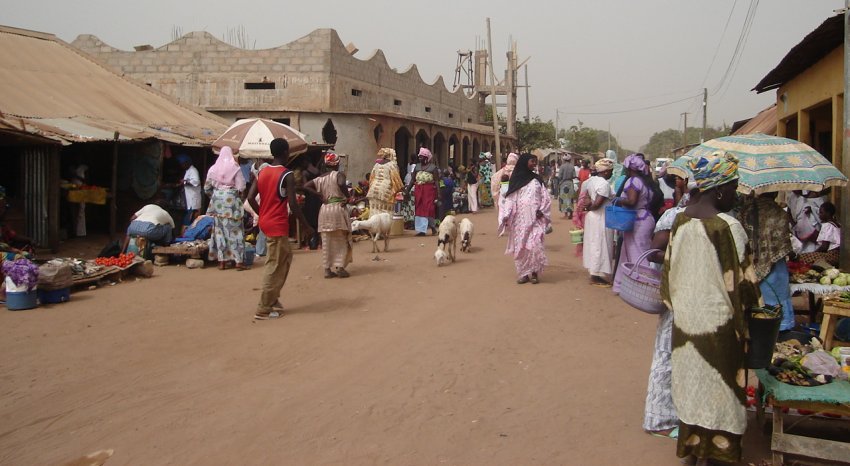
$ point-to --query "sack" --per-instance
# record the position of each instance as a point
(112, 249)
(178, 199)
(54, 277)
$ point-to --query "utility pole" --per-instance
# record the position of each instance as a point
(497, 151)
(704, 114)
(609, 135)
(685, 131)
(527, 104)
(557, 114)
(844, 208)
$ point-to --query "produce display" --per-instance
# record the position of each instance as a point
(22, 273)
(806, 365)
(123, 260)
(805, 273)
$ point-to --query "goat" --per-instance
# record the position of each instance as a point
(378, 226)
(465, 232)
(446, 241)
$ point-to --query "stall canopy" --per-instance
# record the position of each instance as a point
(54, 92)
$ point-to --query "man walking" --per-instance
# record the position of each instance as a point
(276, 188)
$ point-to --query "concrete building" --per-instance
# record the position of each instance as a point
(316, 85)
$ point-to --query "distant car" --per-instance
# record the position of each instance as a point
(659, 164)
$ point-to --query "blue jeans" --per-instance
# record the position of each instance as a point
(775, 290)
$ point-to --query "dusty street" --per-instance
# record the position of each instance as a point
(403, 363)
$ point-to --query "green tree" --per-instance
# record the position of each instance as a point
(582, 139)
(535, 134)
(661, 144)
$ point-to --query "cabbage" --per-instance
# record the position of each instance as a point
(825, 280)
(840, 281)
(832, 273)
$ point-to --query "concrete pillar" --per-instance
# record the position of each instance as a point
(804, 133)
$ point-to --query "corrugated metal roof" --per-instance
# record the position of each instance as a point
(809, 51)
(53, 90)
(764, 122)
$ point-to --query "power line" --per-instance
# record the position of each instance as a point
(630, 110)
(739, 46)
(719, 43)
(597, 104)
(740, 56)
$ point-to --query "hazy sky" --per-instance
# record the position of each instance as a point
(591, 56)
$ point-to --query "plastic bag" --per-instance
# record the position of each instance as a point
(822, 363)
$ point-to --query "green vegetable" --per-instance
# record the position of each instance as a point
(840, 281)
(825, 280)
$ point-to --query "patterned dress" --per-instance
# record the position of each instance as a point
(485, 172)
(227, 242)
(384, 182)
(334, 223)
(518, 217)
(708, 282)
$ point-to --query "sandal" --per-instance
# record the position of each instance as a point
(269, 316)
(240, 267)
(666, 433)
(342, 273)
(522, 280)
(534, 279)
(330, 274)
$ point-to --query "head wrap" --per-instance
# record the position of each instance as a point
(522, 175)
(386, 153)
(225, 172)
(714, 170)
(602, 165)
(331, 159)
(634, 162)
(484, 155)
(567, 158)
(183, 158)
(424, 152)
(512, 159)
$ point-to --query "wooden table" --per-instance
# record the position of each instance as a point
(832, 310)
(782, 442)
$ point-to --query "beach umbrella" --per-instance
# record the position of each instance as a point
(769, 164)
(250, 138)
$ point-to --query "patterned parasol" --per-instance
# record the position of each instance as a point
(769, 164)
(250, 138)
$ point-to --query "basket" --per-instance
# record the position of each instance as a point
(250, 253)
(620, 218)
(763, 336)
(577, 236)
(640, 285)
(21, 300)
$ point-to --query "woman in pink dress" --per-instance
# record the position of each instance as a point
(525, 215)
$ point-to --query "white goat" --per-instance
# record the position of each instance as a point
(446, 241)
(378, 226)
(465, 232)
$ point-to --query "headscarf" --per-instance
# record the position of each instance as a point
(634, 162)
(226, 172)
(183, 158)
(512, 159)
(714, 170)
(522, 175)
(508, 169)
(424, 152)
(602, 165)
(484, 155)
(331, 159)
(387, 153)
(567, 158)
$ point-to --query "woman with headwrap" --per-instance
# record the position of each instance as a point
(524, 215)
(708, 282)
(334, 222)
(425, 187)
(384, 182)
(598, 249)
(225, 185)
(497, 180)
(566, 188)
(485, 173)
(637, 194)
(472, 186)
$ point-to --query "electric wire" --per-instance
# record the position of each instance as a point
(719, 43)
(632, 110)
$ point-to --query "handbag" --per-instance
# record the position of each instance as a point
(619, 218)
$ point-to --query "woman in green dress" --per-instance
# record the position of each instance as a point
(708, 283)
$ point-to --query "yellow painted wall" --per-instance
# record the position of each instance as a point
(816, 85)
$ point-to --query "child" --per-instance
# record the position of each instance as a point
(829, 238)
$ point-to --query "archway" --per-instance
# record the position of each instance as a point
(476, 149)
(422, 139)
(486, 147)
(454, 150)
(439, 150)
(403, 140)
(378, 132)
(466, 148)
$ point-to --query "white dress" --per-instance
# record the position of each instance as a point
(598, 240)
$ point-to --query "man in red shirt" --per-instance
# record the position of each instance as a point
(276, 188)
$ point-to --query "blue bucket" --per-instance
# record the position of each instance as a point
(250, 252)
(54, 296)
(21, 300)
(620, 218)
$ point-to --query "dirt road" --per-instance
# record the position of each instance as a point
(403, 363)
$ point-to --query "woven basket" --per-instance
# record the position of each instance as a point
(576, 236)
(619, 218)
(640, 285)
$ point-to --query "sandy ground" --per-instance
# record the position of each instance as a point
(403, 363)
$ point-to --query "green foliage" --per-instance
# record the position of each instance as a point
(535, 134)
(661, 144)
(582, 139)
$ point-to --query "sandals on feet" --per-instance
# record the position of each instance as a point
(342, 273)
(522, 280)
(269, 316)
(329, 273)
(667, 433)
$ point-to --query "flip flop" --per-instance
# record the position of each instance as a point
(601, 285)
(674, 433)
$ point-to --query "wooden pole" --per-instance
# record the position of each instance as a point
(497, 152)
(113, 192)
(844, 207)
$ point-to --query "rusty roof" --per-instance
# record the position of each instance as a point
(815, 46)
(764, 122)
(52, 90)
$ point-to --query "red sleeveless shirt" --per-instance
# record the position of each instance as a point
(274, 207)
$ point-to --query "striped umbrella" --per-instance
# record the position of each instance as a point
(769, 164)
(250, 138)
